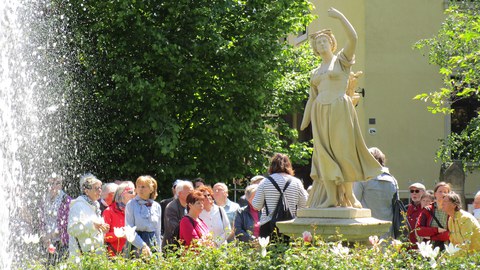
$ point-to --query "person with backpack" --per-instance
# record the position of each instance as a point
(279, 196)
(376, 194)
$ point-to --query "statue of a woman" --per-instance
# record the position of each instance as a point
(340, 155)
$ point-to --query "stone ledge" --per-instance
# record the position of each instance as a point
(334, 212)
(349, 229)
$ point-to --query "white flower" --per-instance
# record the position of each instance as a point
(26, 238)
(130, 233)
(88, 241)
(426, 250)
(77, 260)
(340, 250)
(374, 240)
(31, 238)
(119, 232)
(263, 242)
(451, 249)
(396, 243)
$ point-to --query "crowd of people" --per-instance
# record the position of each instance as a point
(432, 215)
(101, 219)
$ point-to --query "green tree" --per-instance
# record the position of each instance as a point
(185, 88)
(456, 50)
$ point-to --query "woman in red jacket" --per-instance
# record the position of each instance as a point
(432, 222)
(114, 215)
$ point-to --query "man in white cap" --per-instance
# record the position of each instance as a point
(414, 208)
(255, 180)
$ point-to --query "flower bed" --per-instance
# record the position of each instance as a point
(308, 252)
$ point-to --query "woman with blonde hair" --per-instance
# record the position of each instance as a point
(144, 213)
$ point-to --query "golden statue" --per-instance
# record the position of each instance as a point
(340, 156)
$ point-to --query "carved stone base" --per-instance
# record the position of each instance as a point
(354, 225)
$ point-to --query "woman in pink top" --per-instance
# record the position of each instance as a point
(193, 231)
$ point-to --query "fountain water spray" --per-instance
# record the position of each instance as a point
(33, 105)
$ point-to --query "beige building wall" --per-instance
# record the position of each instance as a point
(394, 73)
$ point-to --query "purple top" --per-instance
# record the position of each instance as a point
(62, 219)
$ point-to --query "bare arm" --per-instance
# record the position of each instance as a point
(349, 49)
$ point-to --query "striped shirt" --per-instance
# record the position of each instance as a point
(295, 195)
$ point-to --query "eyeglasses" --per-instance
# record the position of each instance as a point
(414, 190)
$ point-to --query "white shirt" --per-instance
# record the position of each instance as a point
(218, 224)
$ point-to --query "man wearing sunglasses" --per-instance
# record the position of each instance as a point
(414, 209)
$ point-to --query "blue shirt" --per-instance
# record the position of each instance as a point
(145, 218)
(231, 208)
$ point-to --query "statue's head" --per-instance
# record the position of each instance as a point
(325, 33)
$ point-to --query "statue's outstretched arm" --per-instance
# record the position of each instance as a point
(306, 115)
(349, 49)
(308, 108)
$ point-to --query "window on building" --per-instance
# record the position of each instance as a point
(301, 36)
(464, 110)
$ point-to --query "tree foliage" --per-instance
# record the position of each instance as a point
(456, 50)
(186, 88)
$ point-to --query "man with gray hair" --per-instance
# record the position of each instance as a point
(476, 206)
(174, 212)
(108, 192)
(220, 195)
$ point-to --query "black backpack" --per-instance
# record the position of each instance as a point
(399, 223)
(280, 213)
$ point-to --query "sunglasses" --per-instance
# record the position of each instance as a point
(131, 192)
(415, 191)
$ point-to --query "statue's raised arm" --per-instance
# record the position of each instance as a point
(349, 49)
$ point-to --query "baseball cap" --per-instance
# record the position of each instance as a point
(417, 185)
(256, 178)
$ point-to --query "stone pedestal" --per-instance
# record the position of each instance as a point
(354, 225)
